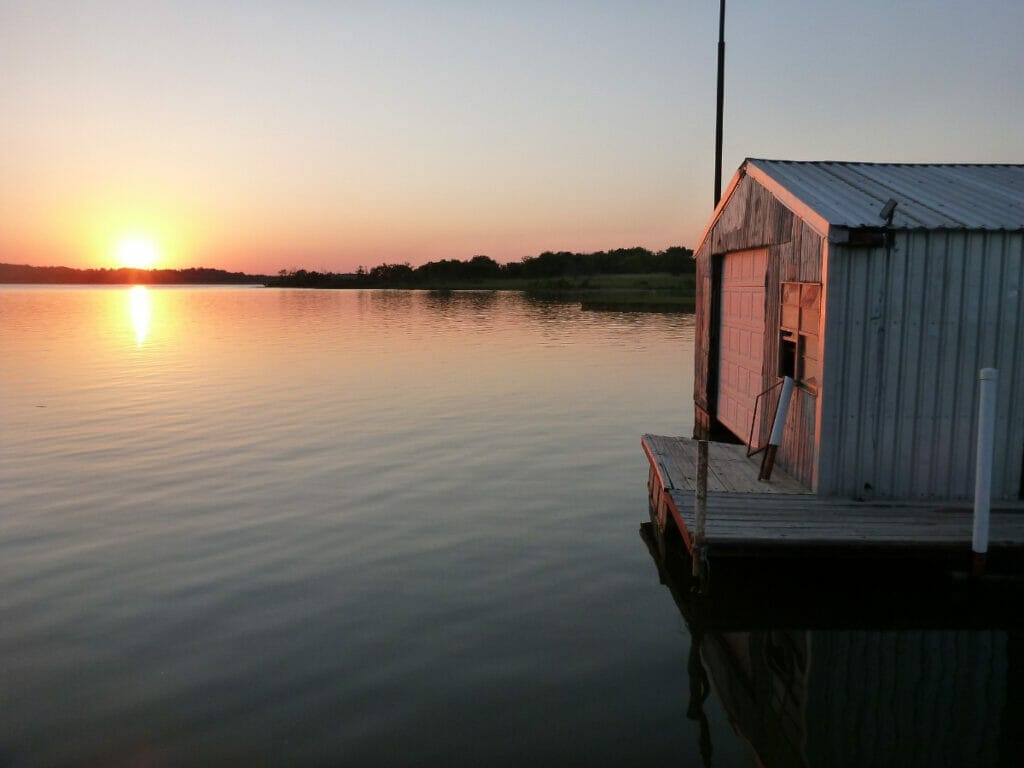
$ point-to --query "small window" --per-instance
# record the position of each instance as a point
(798, 342)
(787, 356)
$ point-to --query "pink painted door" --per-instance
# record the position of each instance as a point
(741, 336)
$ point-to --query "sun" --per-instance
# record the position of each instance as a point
(137, 253)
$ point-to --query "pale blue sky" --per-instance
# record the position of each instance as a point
(260, 135)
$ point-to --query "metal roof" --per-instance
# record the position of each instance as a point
(928, 196)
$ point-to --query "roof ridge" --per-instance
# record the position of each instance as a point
(884, 163)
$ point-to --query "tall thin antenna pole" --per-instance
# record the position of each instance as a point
(721, 101)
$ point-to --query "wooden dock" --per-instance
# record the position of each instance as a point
(746, 516)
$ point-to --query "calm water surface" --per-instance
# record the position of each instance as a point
(372, 528)
(367, 528)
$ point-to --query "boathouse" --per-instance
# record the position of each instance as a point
(882, 289)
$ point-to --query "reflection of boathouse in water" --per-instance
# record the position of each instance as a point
(882, 290)
(905, 679)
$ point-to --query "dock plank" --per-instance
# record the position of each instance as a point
(762, 520)
(730, 470)
(746, 515)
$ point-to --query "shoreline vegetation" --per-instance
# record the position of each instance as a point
(634, 279)
(627, 279)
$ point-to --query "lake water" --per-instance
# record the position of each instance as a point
(366, 528)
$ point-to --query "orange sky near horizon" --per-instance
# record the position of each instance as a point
(309, 135)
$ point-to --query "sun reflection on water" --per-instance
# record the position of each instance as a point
(140, 310)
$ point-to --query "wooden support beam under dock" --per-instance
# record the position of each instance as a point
(746, 516)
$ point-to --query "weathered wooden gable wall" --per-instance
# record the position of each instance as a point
(797, 260)
(754, 218)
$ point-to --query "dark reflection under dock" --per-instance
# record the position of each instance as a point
(818, 664)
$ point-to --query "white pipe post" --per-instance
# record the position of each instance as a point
(781, 411)
(988, 379)
(778, 426)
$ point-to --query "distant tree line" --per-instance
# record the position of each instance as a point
(23, 273)
(675, 260)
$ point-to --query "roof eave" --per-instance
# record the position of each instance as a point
(813, 219)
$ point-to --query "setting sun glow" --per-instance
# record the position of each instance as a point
(137, 252)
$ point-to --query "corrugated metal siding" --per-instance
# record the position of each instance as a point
(906, 698)
(928, 196)
(907, 332)
(866, 697)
